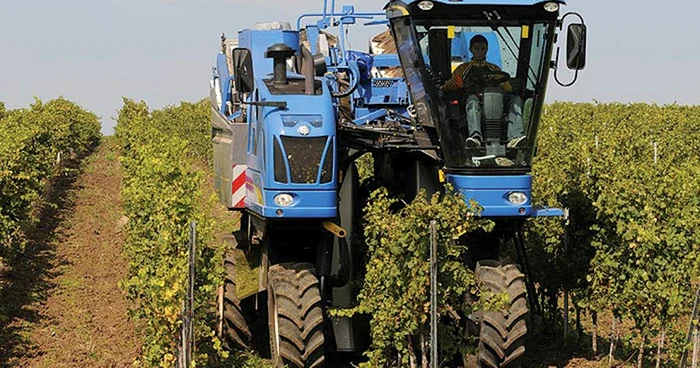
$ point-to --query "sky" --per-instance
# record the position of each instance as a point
(94, 52)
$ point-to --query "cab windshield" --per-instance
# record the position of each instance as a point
(480, 82)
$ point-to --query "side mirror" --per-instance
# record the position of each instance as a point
(576, 46)
(243, 70)
(575, 49)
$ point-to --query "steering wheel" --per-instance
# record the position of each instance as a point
(492, 78)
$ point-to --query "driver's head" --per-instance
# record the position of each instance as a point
(478, 47)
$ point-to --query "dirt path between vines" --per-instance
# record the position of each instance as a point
(66, 309)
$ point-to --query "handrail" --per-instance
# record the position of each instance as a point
(334, 14)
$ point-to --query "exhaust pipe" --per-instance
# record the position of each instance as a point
(279, 52)
(308, 70)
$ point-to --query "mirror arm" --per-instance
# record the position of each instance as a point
(556, 73)
(560, 23)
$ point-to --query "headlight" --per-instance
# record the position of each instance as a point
(551, 7)
(283, 200)
(517, 198)
(425, 5)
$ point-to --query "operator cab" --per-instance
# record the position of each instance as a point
(433, 38)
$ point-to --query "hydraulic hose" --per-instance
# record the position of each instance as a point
(354, 76)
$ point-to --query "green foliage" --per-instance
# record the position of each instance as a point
(31, 143)
(397, 281)
(365, 167)
(191, 122)
(162, 195)
(631, 244)
(249, 360)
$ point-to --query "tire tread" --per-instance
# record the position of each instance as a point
(296, 286)
(502, 334)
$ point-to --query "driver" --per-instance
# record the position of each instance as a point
(463, 79)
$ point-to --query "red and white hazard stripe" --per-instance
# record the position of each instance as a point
(238, 186)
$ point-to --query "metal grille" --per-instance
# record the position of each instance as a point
(304, 157)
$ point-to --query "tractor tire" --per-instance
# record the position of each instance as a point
(502, 333)
(295, 318)
(234, 328)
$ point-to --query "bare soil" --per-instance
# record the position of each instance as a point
(65, 306)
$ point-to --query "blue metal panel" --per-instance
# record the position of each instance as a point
(367, 116)
(383, 93)
(315, 200)
(490, 2)
(312, 105)
(386, 60)
(491, 192)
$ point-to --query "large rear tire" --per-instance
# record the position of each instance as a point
(502, 333)
(295, 316)
(234, 328)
